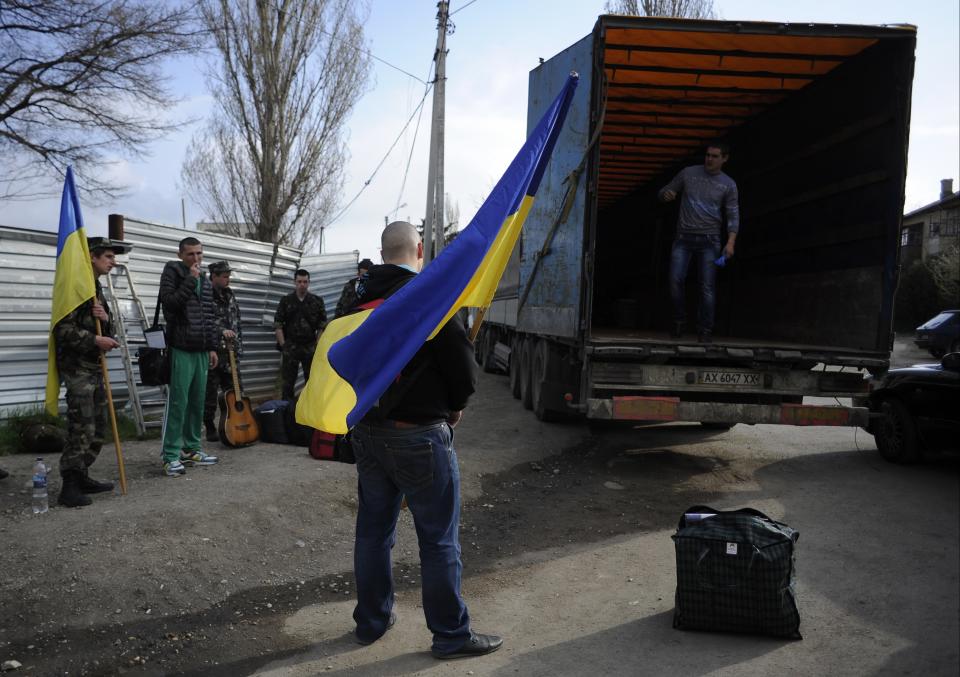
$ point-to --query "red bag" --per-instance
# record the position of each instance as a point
(326, 446)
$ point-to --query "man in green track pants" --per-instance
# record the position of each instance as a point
(187, 299)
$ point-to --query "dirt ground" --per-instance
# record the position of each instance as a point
(245, 568)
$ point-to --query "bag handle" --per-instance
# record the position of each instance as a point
(740, 511)
(156, 313)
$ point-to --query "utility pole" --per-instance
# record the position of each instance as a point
(434, 211)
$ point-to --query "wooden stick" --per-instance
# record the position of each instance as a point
(476, 324)
(113, 415)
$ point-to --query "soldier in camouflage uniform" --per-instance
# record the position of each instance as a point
(348, 295)
(298, 323)
(78, 350)
(226, 310)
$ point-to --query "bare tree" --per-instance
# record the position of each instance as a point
(687, 9)
(272, 156)
(81, 82)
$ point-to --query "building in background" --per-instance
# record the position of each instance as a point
(932, 229)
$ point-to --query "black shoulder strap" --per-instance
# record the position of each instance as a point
(156, 313)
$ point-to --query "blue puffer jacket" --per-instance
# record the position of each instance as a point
(188, 309)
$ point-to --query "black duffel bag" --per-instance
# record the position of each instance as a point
(735, 573)
(154, 362)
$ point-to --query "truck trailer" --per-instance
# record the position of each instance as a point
(817, 117)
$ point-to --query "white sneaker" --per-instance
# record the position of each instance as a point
(174, 468)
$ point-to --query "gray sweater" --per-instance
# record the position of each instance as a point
(704, 198)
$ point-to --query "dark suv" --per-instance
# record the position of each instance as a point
(940, 335)
(916, 409)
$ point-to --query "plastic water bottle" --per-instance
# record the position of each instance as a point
(40, 502)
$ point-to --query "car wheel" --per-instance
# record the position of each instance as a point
(896, 434)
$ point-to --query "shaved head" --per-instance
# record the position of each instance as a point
(400, 243)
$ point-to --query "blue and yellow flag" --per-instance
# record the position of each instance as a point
(73, 280)
(359, 355)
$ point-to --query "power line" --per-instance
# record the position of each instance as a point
(413, 146)
(464, 7)
(374, 56)
(384, 159)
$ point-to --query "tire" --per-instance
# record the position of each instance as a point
(716, 425)
(540, 371)
(896, 434)
(514, 369)
(526, 393)
(478, 346)
(488, 363)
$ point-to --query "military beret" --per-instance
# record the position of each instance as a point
(118, 246)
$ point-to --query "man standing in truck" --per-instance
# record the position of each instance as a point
(708, 197)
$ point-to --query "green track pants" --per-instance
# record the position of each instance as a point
(188, 384)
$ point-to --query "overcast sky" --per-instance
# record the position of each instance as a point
(494, 46)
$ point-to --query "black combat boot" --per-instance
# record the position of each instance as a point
(71, 495)
(88, 485)
(212, 434)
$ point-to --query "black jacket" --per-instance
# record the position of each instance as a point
(440, 377)
(188, 309)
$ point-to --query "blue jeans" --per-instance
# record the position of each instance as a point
(421, 464)
(706, 248)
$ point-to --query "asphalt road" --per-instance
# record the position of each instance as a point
(568, 554)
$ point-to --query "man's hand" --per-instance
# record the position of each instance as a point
(229, 334)
(454, 418)
(195, 270)
(214, 360)
(105, 343)
(99, 312)
(728, 250)
(668, 196)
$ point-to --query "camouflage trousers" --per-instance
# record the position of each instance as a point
(294, 357)
(219, 379)
(86, 420)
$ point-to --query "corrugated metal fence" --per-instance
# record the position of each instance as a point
(260, 279)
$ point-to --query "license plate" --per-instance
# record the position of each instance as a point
(729, 378)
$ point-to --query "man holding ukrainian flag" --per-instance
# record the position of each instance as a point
(397, 373)
(80, 332)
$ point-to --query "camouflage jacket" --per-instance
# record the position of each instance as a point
(74, 337)
(348, 297)
(301, 321)
(226, 312)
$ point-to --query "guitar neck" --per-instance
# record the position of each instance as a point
(233, 372)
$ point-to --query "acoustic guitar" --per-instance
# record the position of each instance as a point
(238, 427)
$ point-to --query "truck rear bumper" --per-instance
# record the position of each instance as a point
(639, 408)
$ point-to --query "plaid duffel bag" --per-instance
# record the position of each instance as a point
(735, 573)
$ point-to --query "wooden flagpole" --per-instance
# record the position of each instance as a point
(113, 414)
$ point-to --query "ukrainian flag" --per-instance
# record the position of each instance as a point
(73, 280)
(359, 355)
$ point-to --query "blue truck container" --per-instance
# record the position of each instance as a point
(817, 117)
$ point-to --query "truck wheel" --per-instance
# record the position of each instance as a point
(896, 434)
(717, 425)
(526, 394)
(515, 366)
(478, 346)
(488, 363)
(540, 371)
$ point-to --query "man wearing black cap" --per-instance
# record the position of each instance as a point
(78, 349)
(348, 297)
(226, 310)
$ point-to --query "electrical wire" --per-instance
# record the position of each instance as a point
(384, 159)
(413, 145)
(463, 7)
